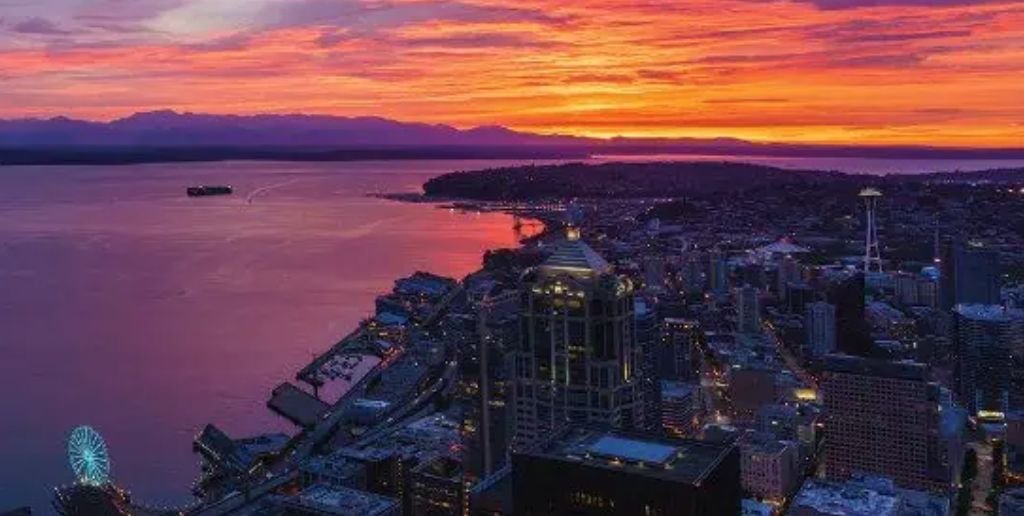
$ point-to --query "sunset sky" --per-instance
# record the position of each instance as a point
(942, 72)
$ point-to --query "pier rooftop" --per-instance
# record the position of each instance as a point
(297, 405)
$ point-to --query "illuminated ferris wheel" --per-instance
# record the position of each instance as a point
(87, 454)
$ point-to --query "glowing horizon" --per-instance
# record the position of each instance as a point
(928, 72)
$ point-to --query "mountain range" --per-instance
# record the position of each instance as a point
(164, 133)
(168, 128)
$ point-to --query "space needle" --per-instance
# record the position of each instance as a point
(872, 248)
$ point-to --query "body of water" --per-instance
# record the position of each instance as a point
(874, 166)
(130, 307)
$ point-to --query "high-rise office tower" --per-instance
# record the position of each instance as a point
(985, 339)
(884, 418)
(718, 273)
(487, 417)
(751, 387)
(970, 275)
(753, 274)
(769, 467)
(436, 488)
(692, 272)
(680, 408)
(677, 346)
(647, 339)
(820, 323)
(748, 310)
(577, 359)
(798, 296)
(853, 334)
(484, 369)
(790, 271)
(654, 272)
(915, 290)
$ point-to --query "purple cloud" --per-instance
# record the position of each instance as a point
(121, 11)
(658, 75)
(481, 40)
(367, 18)
(856, 4)
(38, 26)
(907, 36)
(598, 78)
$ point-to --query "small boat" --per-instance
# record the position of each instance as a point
(204, 190)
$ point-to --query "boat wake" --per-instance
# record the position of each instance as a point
(264, 189)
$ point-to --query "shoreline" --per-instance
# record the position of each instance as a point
(118, 156)
(329, 425)
(249, 413)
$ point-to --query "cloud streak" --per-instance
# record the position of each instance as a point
(900, 71)
(38, 26)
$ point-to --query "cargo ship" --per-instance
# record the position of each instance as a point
(204, 190)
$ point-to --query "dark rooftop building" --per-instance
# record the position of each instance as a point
(323, 500)
(970, 275)
(606, 472)
(852, 331)
(885, 418)
(436, 488)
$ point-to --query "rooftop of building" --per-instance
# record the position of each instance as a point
(884, 310)
(341, 501)
(684, 460)
(442, 466)
(993, 313)
(1012, 498)
(754, 508)
(573, 255)
(904, 369)
(869, 495)
(423, 439)
(782, 246)
(952, 420)
(763, 443)
(494, 494)
(641, 308)
(335, 465)
(778, 410)
(841, 499)
(424, 284)
(671, 389)
(263, 444)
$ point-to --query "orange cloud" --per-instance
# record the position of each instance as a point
(910, 71)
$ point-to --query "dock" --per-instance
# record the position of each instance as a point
(297, 405)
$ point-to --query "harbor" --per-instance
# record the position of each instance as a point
(379, 377)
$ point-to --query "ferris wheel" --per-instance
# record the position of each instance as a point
(87, 454)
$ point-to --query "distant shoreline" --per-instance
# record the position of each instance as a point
(663, 179)
(153, 155)
(121, 155)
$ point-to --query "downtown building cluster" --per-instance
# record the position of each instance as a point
(625, 365)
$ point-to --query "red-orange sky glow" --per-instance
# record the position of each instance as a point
(940, 72)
